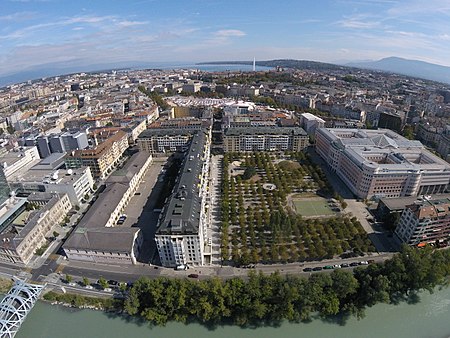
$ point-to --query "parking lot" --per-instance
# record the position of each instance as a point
(139, 210)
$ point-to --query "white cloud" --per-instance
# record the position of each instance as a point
(127, 23)
(229, 33)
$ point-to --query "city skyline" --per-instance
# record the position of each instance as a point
(40, 33)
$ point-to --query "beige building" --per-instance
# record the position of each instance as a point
(18, 243)
(427, 220)
(164, 140)
(102, 158)
(381, 163)
(265, 139)
(98, 238)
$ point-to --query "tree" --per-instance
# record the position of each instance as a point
(85, 281)
(55, 234)
(103, 283)
(249, 173)
(68, 278)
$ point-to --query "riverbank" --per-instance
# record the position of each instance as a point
(107, 304)
(271, 300)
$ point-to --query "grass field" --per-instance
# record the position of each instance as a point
(315, 207)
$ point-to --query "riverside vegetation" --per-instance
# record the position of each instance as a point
(271, 299)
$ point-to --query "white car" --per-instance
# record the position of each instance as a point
(336, 266)
(364, 263)
(89, 287)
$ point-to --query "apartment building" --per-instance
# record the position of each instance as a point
(265, 139)
(98, 238)
(425, 221)
(310, 123)
(18, 242)
(381, 163)
(156, 140)
(181, 231)
(102, 158)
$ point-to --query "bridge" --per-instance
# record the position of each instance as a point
(16, 305)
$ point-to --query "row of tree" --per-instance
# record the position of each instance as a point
(271, 299)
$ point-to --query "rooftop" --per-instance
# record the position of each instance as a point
(236, 131)
(182, 213)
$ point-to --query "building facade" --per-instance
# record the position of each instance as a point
(381, 163)
(181, 231)
(265, 139)
(425, 221)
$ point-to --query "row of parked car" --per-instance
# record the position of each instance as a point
(338, 266)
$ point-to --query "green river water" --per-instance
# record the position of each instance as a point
(428, 318)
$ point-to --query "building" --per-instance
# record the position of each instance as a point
(381, 163)
(265, 139)
(102, 158)
(392, 121)
(98, 238)
(425, 221)
(310, 123)
(156, 140)
(181, 234)
(76, 183)
(19, 241)
(74, 141)
(21, 158)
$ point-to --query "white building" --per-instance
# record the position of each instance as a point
(17, 159)
(310, 123)
(181, 231)
(76, 183)
(381, 163)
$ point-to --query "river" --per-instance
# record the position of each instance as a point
(430, 318)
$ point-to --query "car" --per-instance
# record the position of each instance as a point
(328, 267)
(354, 264)
(336, 266)
(317, 268)
(193, 275)
(371, 261)
(113, 282)
(89, 287)
(137, 193)
(364, 263)
(107, 289)
(181, 267)
(345, 265)
(307, 269)
(72, 284)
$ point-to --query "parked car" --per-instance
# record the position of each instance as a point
(328, 267)
(89, 287)
(354, 264)
(364, 263)
(137, 193)
(371, 261)
(336, 266)
(113, 282)
(307, 269)
(345, 265)
(317, 268)
(193, 275)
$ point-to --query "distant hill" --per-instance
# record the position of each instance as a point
(420, 69)
(288, 63)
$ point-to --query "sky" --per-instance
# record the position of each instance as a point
(42, 33)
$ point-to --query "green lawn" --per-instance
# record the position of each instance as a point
(306, 207)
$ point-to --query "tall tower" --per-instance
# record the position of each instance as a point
(254, 64)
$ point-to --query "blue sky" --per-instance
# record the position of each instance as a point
(80, 33)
